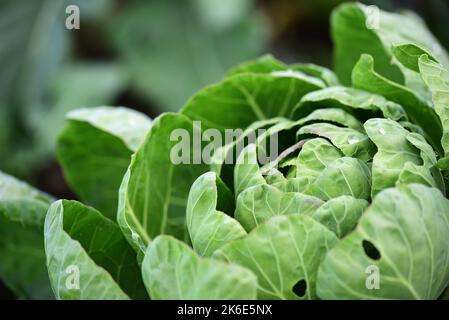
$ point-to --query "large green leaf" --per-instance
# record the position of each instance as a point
(401, 240)
(284, 253)
(353, 100)
(393, 152)
(238, 101)
(154, 190)
(22, 255)
(358, 29)
(209, 207)
(259, 203)
(171, 270)
(95, 149)
(87, 255)
(419, 111)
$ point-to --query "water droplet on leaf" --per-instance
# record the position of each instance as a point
(353, 140)
(135, 236)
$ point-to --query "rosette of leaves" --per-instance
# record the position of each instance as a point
(352, 206)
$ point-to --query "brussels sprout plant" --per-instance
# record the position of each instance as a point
(334, 188)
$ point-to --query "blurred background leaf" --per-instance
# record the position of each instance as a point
(32, 47)
(172, 48)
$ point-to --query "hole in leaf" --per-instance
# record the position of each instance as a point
(370, 250)
(284, 170)
(300, 288)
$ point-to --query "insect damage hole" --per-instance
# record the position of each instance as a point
(370, 250)
(300, 288)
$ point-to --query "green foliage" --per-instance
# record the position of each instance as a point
(87, 255)
(22, 255)
(353, 206)
(172, 270)
(151, 50)
(109, 136)
(39, 83)
(415, 267)
(281, 252)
